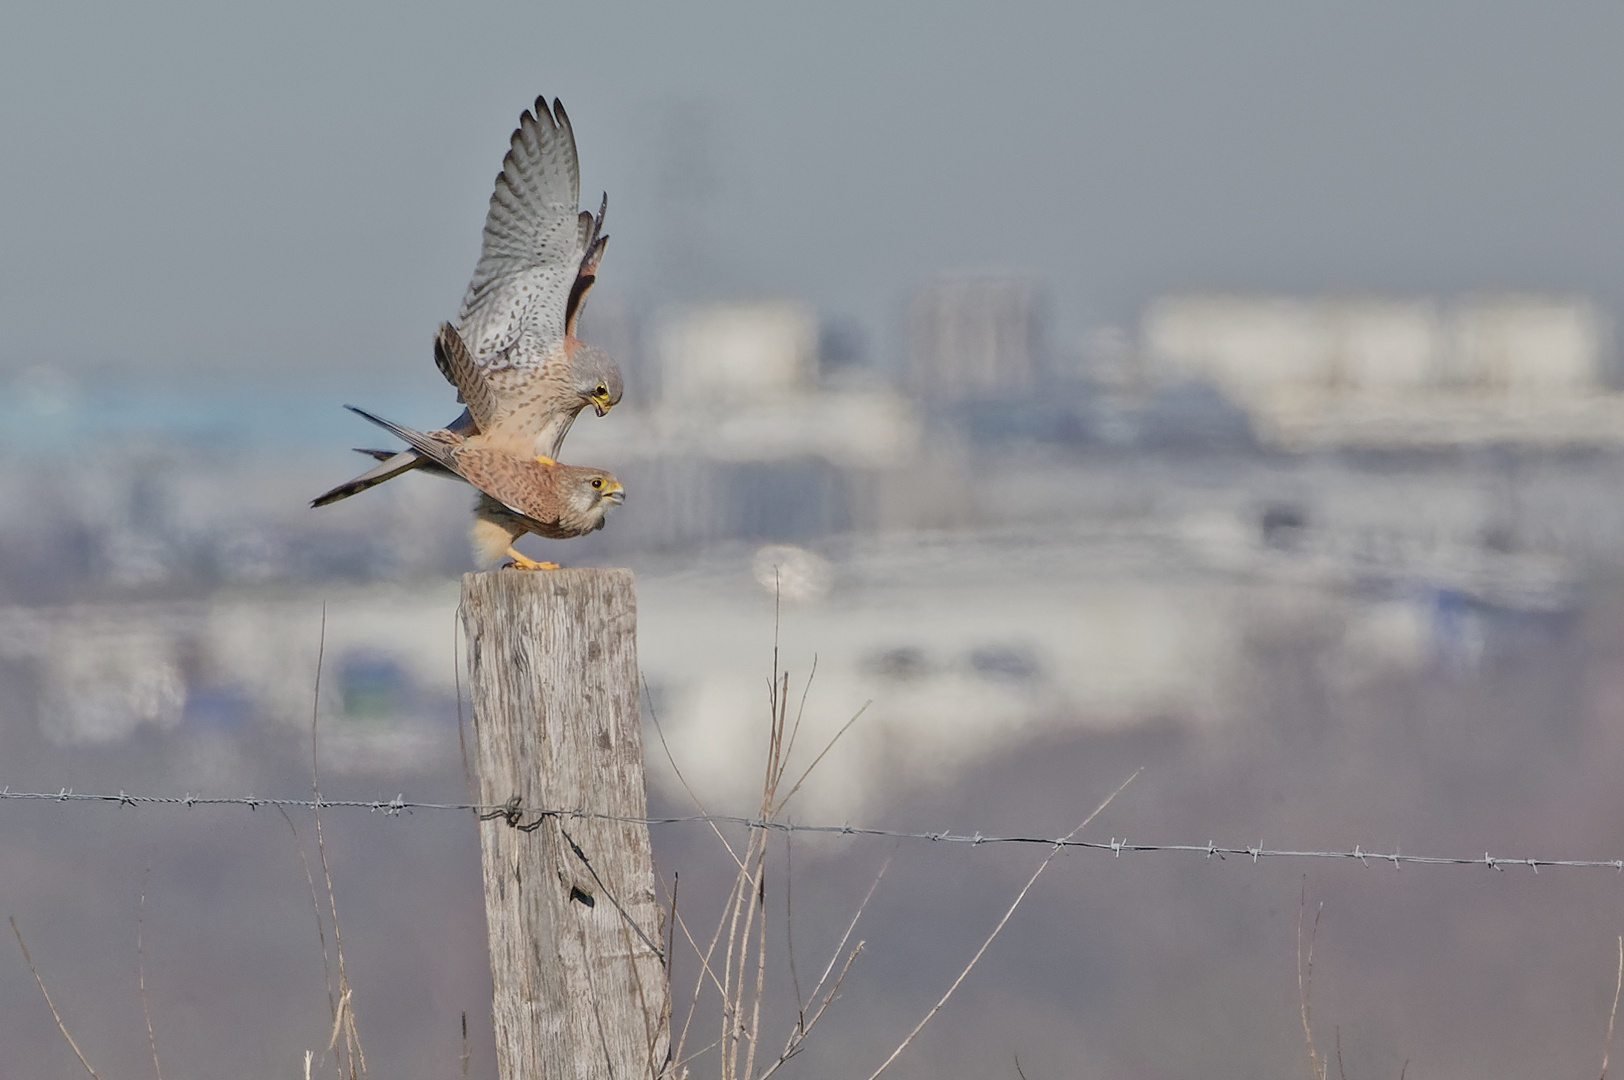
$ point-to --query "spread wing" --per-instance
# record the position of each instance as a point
(537, 245)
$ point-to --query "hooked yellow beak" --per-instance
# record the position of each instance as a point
(614, 492)
(601, 404)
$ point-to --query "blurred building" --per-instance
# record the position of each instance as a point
(744, 441)
(737, 353)
(1412, 371)
(99, 673)
(975, 336)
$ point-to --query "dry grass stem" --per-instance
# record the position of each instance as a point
(671, 938)
(346, 1011)
(1607, 1048)
(338, 1021)
(682, 1063)
(798, 1037)
(726, 962)
(48, 1004)
(1318, 1067)
(804, 1025)
(677, 922)
(736, 943)
(858, 715)
(659, 730)
(705, 970)
(789, 909)
(852, 926)
(699, 982)
(761, 979)
(668, 1010)
(806, 691)
(141, 973)
(1020, 896)
(315, 902)
(777, 701)
(465, 1051)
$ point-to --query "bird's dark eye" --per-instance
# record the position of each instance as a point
(597, 483)
(603, 391)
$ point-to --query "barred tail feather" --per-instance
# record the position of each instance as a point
(392, 465)
(424, 465)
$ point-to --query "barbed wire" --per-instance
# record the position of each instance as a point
(516, 814)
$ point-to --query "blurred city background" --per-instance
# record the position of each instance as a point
(1231, 392)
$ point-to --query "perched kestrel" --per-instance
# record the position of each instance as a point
(519, 316)
(518, 493)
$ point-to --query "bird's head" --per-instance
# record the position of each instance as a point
(590, 492)
(595, 377)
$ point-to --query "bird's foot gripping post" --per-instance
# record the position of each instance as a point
(525, 562)
(580, 983)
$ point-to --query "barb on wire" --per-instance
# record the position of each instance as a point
(515, 814)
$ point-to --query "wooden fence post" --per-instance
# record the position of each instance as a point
(576, 953)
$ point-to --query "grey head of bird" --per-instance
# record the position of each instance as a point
(595, 377)
(588, 493)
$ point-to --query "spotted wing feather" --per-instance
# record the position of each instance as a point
(531, 255)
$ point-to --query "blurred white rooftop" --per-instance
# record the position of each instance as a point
(1328, 371)
(739, 381)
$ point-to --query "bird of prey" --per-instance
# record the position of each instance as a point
(518, 493)
(519, 316)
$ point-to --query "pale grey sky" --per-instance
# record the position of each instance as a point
(301, 185)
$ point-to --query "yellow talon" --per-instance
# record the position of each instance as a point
(524, 562)
(545, 460)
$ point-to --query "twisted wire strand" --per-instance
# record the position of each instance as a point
(527, 818)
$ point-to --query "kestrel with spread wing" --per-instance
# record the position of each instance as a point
(519, 493)
(520, 314)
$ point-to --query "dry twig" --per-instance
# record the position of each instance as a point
(141, 973)
(315, 902)
(1318, 1066)
(1055, 850)
(659, 730)
(743, 919)
(346, 1011)
(803, 1026)
(48, 1004)
(1607, 1048)
(789, 908)
(858, 715)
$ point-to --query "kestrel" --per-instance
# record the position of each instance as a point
(518, 493)
(519, 316)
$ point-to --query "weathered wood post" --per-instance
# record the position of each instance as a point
(580, 982)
